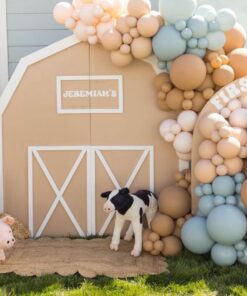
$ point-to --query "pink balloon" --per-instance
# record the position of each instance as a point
(103, 27)
(80, 31)
(62, 11)
(98, 11)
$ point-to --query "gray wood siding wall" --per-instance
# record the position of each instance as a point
(30, 27)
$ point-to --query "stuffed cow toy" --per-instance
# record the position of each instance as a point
(130, 207)
(7, 239)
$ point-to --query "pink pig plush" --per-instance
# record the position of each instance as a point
(7, 239)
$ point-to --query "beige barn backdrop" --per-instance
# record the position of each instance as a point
(55, 165)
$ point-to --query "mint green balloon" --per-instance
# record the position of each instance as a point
(195, 237)
(223, 255)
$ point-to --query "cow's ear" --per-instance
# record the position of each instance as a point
(124, 191)
(105, 194)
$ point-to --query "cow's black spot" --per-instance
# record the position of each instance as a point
(144, 196)
(105, 194)
(141, 215)
(122, 202)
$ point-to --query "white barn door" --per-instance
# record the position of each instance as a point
(65, 182)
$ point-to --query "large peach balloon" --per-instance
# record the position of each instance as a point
(148, 25)
(207, 149)
(234, 165)
(62, 11)
(205, 171)
(183, 142)
(111, 39)
(141, 47)
(229, 147)
(172, 246)
(235, 38)
(238, 118)
(138, 8)
(223, 75)
(87, 15)
(209, 122)
(187, 120)
(120, 59)
(188, 72)
(244, 193)
(162, 224)
(174, 201)
(238, 61)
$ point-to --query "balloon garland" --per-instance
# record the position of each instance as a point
(199, 50)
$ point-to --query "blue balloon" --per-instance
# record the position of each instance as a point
(226, 19)
(216, 40)
(197, 51)
(240, 246)
(207, 11)
(192, 43)
(198, 191)
(239, 178)
(219, 200)
(226, 224)
(198, 26)
(231, 200)
(213, 26)
(195, 237)
(238, 188)
(240, 254)
(223, 185)
(162, 65)
(202, 43)
(243, 259)
(180, 25)
(168, 44)
(186, 34)
(175, 10)
(223, 255)
(207, 189)
(206, 204)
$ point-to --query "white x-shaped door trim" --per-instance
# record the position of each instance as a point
(92, 152)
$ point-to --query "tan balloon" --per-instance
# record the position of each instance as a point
(228, 147)
(121, 25)
(188, 72)
(174, 201)
(243, 193)
(111, 39)
(223, 75)
(175, 99)
(198, 102)
(238, 61)
(148, 25)
(153, 236)
(120, 59)
(184, 156)
(141, 47)
(234, 165)
(207, 124)
(138, 8)
(163, 225)
(146, 233)
(207, 83)
(207, 149)
(172, 246)
(148, 245)
(205, 171)
(159, 245)
(235, 38)
(160, 79)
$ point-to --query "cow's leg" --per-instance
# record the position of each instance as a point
(137, 227)
(150, 213)
(129, 233)
(119, 223)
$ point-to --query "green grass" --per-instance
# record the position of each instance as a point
(189, 275)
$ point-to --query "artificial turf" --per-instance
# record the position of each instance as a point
(189, 275)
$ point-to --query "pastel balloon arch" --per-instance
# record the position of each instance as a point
(202, 63)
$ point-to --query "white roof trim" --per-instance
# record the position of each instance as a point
(29, 60)
(41, 55)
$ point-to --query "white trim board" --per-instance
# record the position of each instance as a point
(4, 72)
